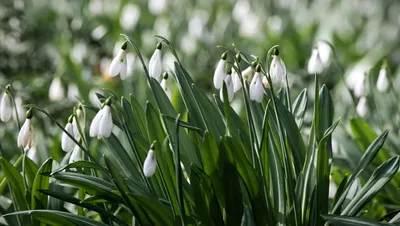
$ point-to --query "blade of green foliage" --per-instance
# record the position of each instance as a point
(77, 164)
(41, 182)
(299, 107)
(351, 221)
(30, 172)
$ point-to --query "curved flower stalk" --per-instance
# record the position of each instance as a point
(119, 64)
(277, 69)
(237, 83)
(257, 86)
(25, 135)
(67, 144)
(315, 65)
(362, 107)
(150, 163)
(155, 64)
(220, 74)
(165, 86)
(102, 124)
(383, 83)
(229, 87)
(56, 90)
(6, 109)
(360, 86)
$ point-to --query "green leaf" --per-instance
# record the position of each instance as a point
(41, 182)
(299, 107)
(351, 221)
(382, 175)
(30, 171)
(77, 164)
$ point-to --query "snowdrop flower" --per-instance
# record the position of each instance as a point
(382, 84)
(229, 87)
(315, 65)
(56, 91)
(6, 109)
(102, 124)
(78, 116)
(248, 73)
(76, 155)
(25, 135)
(359, 86)
(67, 144)
(256, 86)
(20, 110)
(118, 64)
(265, 82)
(33, 154)
(362, 107)
(165, 86)
(277, 69)
(155, 64)
(332, 188)
(150, 163)
(325, 52)
(220, 74)
(237, 84)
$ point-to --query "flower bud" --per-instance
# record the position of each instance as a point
(6, 108)
(150, 164)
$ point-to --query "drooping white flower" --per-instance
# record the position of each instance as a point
(20, 110)
(25, 135)
(6, 109)
(248, 73)
(76, 155)
(33, 154)
(237, 83)
(155, 63)
(383, 83)
(119, 64)
(95, 125)
(360, 86)
(362, 107)
(332, 188)
(277, 69)
(315, 65)
(257, 87)
(67, 144)
(106, 123)
(220, 73)
(229, 88)
(56, 91)
(265, 82)
(150, 164)
(325, 52)
(165, 86)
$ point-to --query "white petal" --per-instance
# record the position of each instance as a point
(6, 109)
(359, 87)
(247, 73)
(115, 66)
(106, 124)
(229, 88)
(67, 144)
(325, 52)
(315, 65)
(277, 70)
(150, 164)
(219, 74)
(237, 84)
(124, 70)
(256, 88)
(25, 135)
(76, 155)
(382, 84)
(94, 126)
(56, 90)
(165, 86)
(362, 107)
(155, 65)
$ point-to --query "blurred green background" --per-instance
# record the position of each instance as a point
(75, 40)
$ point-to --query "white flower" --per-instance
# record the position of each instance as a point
(315, 65)
(106, 124)
(165, 86)
(155, 64)
(229, 89)
(56, 91)
(20, 110)
(76, 155)
(277, 69)
(256, 88)
(6, 108)
(332, 188)
(220, 74)
(118, 64)
(33, 154)
(25, 135)
(359, 86)
(325, 52)
(237, 84)
(150, 164)
(382, 84)
(362, 107)
(247, 73)
(67, 144)
(265, 82)
(94, 126)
